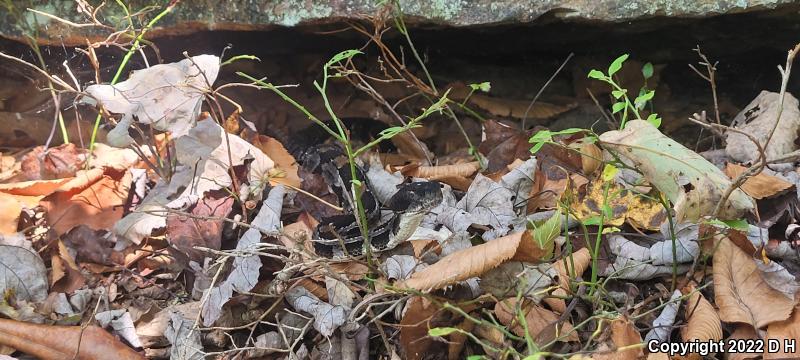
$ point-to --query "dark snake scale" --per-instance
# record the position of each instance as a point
(339, 236)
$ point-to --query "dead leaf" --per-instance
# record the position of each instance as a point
(540, 321)
(703, 323)
(623, 334)
(476, 260)
(327, 317)
(740, 292)
(758, 120)
(93, 198)
(664, 323)
(640, 211)
(203, 157)
(53, 342)
(572, 267)
(414, 340)
(22, 273)
(510, 108)
(202, 228)
(9, 218)
(693, 184)
(72, 279)
(168, 96)
(59, 162)
(761, 185)
(90, 245)
(285, 170)
(784, 332)
(743, 332)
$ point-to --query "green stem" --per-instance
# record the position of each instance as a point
(124, 62)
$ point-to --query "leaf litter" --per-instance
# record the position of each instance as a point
(201, 242)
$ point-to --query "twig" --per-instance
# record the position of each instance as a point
(541, 90)
(757, 168)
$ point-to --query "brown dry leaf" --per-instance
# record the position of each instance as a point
(639, 211)
(93, 198)
(540, 321)
(508, 107)
(9, 218)
(743, 332)
(759, 186)
(299, 232)
(703, 323)
(576, 265)
(503, 144)
(58, 162)
(68, 278)
(623, 333)
(91, 245)
(784, 331)
(52, 342)
(16, 196)
(476, 260)
(440, 172)
(185, 232)
(740, 292)
(457, 340)
(414, 339)
(285, 170)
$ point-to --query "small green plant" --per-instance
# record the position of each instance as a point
(623, 102)
(340, 132)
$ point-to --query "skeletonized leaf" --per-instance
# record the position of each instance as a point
(741, 293)
(476, 260)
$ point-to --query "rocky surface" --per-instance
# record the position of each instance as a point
(195, 15)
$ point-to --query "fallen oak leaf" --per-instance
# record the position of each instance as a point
(53, 342)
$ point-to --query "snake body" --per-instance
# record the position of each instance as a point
(339, 236)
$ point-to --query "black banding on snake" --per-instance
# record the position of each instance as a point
(339, 236)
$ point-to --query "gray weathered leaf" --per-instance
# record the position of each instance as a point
(758, 119)
(203, 166)
(121, 322)
(244, 274)
(327, 317)
(186, 343)
(168, 96)
(22, 272)
(662, 325)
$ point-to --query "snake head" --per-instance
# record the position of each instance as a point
(416, 197)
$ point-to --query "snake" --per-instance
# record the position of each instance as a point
(339, 236)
